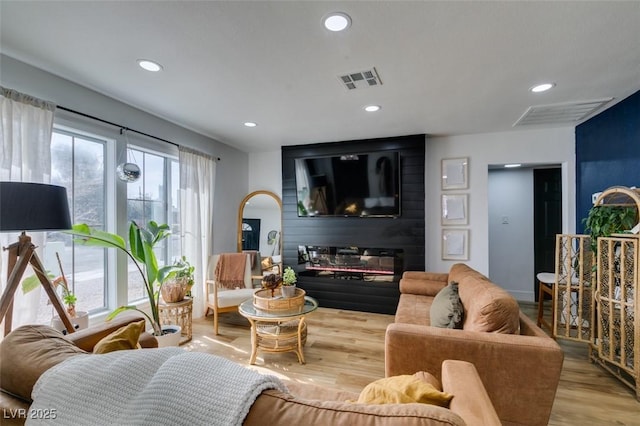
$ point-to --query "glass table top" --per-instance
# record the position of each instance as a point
(248, 309)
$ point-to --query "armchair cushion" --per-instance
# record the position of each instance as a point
(29, 351)
(122, 339)
(235, 297)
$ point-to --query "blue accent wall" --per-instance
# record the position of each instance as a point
(607, 153)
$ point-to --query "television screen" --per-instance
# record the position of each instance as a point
(365, 184)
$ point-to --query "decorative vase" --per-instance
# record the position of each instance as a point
(288, 291)
(171, 335)
(174, 290)
(80, 322)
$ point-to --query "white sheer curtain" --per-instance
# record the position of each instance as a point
(197, 184)
(25, 156)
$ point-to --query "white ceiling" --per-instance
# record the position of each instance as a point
(446, 67)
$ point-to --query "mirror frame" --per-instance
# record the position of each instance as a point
(241, 214)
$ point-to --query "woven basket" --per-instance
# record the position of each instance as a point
(262, 300)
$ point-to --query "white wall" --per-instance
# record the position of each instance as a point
(511, 246)
(231, 172)
(546, 146)
(265, 172)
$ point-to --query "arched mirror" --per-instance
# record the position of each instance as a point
(260, 223)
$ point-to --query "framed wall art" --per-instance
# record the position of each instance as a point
(455, 173)
(455, 244)
(455, 209)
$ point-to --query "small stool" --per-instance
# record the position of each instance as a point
(546, 280)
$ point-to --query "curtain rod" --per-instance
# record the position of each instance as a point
(92, 117)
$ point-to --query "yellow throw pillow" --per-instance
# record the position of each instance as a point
(403, 390)
(123, 338)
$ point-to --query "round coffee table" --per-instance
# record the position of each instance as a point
(278, 330)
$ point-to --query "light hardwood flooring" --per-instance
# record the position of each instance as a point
(345, 350)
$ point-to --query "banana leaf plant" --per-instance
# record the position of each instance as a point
(142, 241)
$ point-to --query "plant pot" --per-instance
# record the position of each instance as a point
(80, 322)
(174, 290)
(170, 337)
(288, 291)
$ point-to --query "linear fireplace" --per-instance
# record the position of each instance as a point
(351, 262)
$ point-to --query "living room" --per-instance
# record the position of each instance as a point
(252, 164)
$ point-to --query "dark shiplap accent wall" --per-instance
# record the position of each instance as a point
(405, 232)
(607, 153)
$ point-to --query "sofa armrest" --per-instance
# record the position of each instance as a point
(514, 369)
(470, 398)
(423, 283)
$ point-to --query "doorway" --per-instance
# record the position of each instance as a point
(250, 234)
(547, 219)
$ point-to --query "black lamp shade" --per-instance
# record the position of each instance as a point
(33, 207)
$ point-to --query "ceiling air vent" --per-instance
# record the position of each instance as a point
(360, 79)
(569, 112)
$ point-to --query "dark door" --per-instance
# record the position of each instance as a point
(547, 218)
(250, 234)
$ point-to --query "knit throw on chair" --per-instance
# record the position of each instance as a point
(230, 270)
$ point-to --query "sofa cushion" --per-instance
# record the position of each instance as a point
(123, 338)
(413, 309)
(403, 389)
(487, 307)
(29, 351)
(446, 310)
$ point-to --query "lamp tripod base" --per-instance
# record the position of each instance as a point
(21, 254)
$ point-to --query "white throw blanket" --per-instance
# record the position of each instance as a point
(166, 386)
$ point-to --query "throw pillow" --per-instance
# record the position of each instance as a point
(29, 351)
(403, 389)
(446, 310)
(122, 339)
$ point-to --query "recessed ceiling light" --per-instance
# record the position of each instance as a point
(372, 108)
(542, 87)
(337, 21)
(149, 65)
(250, 124)
(512, 166)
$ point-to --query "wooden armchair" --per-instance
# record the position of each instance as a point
(221, 299)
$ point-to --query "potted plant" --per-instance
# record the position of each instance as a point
(179, 284)
(80, 319)
(289, 281)
(604, 220)
(141, 251)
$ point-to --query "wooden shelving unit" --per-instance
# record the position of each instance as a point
(574, 289)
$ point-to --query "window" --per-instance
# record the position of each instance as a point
(84, 162)
(154, 197)
(78, 164)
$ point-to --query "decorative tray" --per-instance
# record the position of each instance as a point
(262, 300)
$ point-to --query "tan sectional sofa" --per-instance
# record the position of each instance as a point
(29, 351)
(518, 363)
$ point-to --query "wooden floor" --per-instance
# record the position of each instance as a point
(345, 350)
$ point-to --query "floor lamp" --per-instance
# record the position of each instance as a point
(30, 207)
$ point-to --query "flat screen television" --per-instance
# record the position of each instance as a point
(360, 185)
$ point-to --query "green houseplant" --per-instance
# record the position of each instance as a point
(179, 284)
(289, 280)
(142, 241)
(604, 220)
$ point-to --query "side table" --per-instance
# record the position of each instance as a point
(278, 331)
(178, 313)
